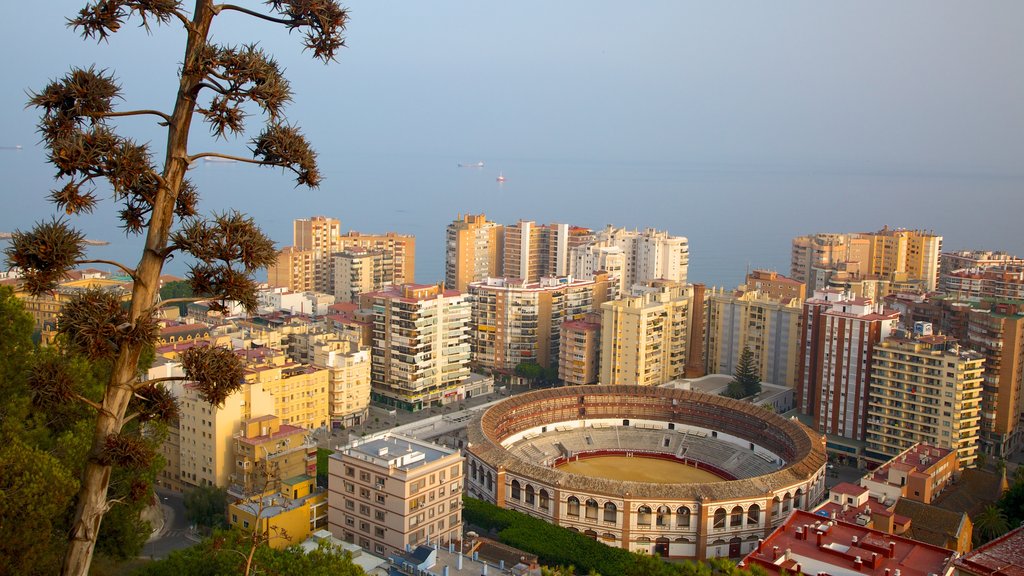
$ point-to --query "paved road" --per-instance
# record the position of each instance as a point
(175, 533)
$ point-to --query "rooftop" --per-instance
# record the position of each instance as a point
(398, 451)
(1003, 556)
(810, 544)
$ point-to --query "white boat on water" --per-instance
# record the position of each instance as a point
(501, 177)
(471, 164)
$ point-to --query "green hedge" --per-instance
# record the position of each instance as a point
(557, 546)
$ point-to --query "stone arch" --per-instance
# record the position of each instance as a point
(611, 512)
(664, 516)
(643, 515)
(573, 506)
(682, 517)
(753, 515)
(545, 500)
(517, 490)
(736, 517)
(591, 509)
(530, 495)
(720, 518)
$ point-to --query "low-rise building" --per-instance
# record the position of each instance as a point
(395, 492)
(1000, 557)
(919, 473)
(284, 517)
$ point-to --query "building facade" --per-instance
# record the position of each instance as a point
(749, 318)
(633, 256)
(579, 353)
(515, 321)
(474, 250)
(838, 336)
(358, 271)
(395, 492)
(924, 389)
(532, 251)
(421, 350)
(644, 337)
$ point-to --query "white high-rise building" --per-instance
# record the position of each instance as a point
(634, 257)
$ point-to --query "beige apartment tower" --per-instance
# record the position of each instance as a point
(924, 388)
(580, 352)
(474, 250)
(768, 326)
(643, 337)
(420, 348)
(515, 321)
(358, 271)
(395, 492)
(533, 251)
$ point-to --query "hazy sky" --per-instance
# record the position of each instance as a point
(933, 88)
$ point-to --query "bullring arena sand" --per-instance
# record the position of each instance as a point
(638, 469)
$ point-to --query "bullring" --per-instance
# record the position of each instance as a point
(768, 465)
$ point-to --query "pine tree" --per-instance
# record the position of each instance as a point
(746, 380)
(215, 84)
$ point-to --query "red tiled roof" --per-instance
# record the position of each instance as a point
(1003, 556)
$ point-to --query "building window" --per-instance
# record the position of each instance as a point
(573, 506)
(643, 516)
(545, 500)
(610, 512)
(682, 517)
(529, 495)
(664, 516)
(720, 518)
(736, 518)
(754, 514)
(245, 523)
(516, 490)
(591, 512)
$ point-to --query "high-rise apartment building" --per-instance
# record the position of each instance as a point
(348, 377)
(358, 270)
(308, 265)
(515, 321)
(995, 329)
(908, 259)
(392, 493)
(837, 340)
(992, 282)
(644, 337)
(579, 353)
(533, 251)
(924, 388)
(474, 251)
(767, 325)
(976, 259)
(420, 351)
(632, 256)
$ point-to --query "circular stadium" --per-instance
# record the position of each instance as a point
(668, 472)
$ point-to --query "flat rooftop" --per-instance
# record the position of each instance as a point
(398, 451)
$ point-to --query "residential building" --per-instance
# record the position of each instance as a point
(308, 265)
(286, 516)
(766, 324)
(907, 258)
(270, 300)
(810, 544)
(838, 335)
(359, 270)
(991, 282)
(517, 321)
(995, 329)
(352, 322)
(924, 388)
(644, 337)
(979, 259)
(579, 351)
(474, 251)
(300, 391)
(395, 492)
(348, 377)
(267, 453)
(532, 251)
(420, 351)
(919, 473)
(633, 256)
(775, 285)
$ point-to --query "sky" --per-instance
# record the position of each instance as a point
(868, 110)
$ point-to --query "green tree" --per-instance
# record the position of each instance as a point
(227, 552)
(746, 380)
(530, 371)
(322, 466)
(178, 289)
(990, 524)
(206, 506)
(218, 84)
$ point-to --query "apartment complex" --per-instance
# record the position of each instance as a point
(977, 259)
(579, 352)
(420, 352)
(919, 473)
(348, 377)
(359, 270)
(838, 336)
(991, 282)
(300, 391)
(516, 321)
(895, 258)
(749, 318)
(474, 251)
(308, 265)
(286, 516)
(267, 453)
(632, 256)
(531, 251)
(924, 389)
(395, 492)
(644, 337)
(995, 329)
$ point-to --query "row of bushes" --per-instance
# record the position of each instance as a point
(557, 546)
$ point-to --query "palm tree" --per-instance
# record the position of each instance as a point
(990, 524)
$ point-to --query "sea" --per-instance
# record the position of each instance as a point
(737, 217)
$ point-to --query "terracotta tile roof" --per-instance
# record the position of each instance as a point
(1003, 556)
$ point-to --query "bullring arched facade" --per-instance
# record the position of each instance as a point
(697, 520)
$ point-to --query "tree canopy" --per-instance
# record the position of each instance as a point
(219, 85)
(746, 379)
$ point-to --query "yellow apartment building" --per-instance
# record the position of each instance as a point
(474, 250)
(644, 337)
(285, 517)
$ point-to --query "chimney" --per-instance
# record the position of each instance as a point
(854, 541)
(858, 565)
(892, 549)
(874, 559)
(797, 569)
(775, 552)
(818, 539)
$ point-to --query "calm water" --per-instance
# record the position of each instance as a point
(734, 216)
